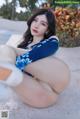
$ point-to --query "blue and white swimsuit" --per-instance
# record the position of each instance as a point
(40, 50)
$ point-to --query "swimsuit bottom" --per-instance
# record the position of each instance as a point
(28, 74)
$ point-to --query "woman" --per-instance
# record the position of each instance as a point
(37, 78)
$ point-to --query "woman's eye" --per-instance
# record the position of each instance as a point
(43, 24)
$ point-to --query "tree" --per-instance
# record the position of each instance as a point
(28, 4)
(13, 4)
(52, 3)
(6, 1)
(5, 11)
(10, 7)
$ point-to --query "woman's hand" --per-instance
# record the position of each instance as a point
(20, 51)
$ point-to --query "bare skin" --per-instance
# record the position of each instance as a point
(51, 76)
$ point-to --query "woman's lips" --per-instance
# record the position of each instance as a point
(34, 30)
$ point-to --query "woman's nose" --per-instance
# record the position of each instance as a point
(37, 25)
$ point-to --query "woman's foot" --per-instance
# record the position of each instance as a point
(4, 73)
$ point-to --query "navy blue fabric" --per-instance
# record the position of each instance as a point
(41, 50)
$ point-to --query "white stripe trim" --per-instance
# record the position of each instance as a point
(54, 37)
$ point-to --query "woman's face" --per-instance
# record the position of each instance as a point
(39, 26)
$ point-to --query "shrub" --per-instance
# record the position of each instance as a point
(68, 26)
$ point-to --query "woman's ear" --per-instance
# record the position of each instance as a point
(46, 33)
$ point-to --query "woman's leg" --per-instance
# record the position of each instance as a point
(32, 92)
(35, 93)
(9, 74)
(7, 54)
(41, 92)
(52, 71)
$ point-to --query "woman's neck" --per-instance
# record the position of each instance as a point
(37, 39)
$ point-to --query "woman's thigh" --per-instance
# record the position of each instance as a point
(52, 71)
(7, 53)
(36, 93)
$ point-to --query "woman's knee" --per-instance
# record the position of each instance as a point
(7, 53)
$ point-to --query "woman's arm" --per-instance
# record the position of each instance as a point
(41, 50)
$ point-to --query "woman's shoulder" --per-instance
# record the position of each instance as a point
(50, 40)
(53, 38)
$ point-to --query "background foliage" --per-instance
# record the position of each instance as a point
(68, 26)
(67, 14)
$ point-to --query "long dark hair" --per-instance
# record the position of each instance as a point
(28, 38)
